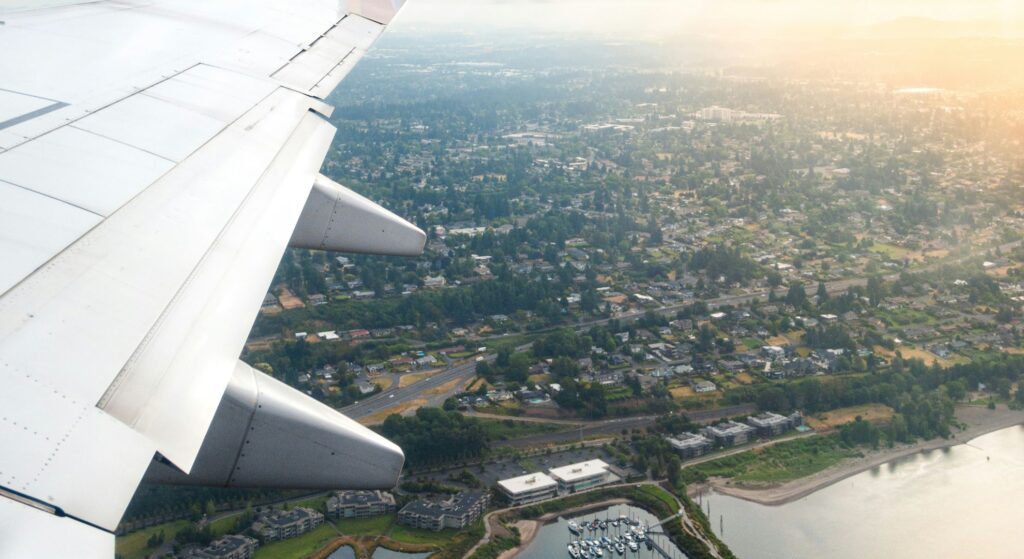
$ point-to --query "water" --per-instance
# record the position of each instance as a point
(552, 538)
(964, 501)
(346, 552)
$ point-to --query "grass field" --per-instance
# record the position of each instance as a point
(383, 381)
(133, 545)
(406, 534)
(300, 547)
(372, 526)
(777, 463)
(841, 416)
(894, 252)
(753, 343)
(744, 378)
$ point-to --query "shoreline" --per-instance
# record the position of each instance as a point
(980, 421)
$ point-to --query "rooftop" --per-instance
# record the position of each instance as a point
(528, 482)
(687, 440)
(767, 419)
(729, 428)
(580, 470)
(456, 505)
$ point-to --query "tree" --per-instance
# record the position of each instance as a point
(796, 296)
(822, 293)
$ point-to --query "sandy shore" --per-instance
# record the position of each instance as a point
(978, 421)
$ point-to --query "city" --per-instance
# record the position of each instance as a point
(699, 280)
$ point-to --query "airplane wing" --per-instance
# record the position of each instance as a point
(155, 158)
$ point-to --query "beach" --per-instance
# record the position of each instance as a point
(977, 420)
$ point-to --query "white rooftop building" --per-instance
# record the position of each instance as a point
(529, 488)
(583, 475)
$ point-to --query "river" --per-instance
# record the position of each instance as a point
(964, 501)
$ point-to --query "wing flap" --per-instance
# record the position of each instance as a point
(344, 43)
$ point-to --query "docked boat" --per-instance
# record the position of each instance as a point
(649, 543)
(573, 527)
(633, 546)
(573, 551)
(619, 548)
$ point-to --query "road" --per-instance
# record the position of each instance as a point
(394, 396)
(616, 426)
(416, 391)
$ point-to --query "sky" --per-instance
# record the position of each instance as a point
(665, 19)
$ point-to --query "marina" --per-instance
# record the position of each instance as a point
(616, 531)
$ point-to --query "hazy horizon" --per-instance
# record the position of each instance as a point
(670, 19)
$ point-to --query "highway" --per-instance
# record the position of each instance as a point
(395, 396)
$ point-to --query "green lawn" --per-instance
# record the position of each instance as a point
(406, 534)
(753, 343)
(777, 463)
(300, 547)
(892, 251)
(133, 545)
(372, 526)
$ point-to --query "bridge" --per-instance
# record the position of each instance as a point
(673, 554)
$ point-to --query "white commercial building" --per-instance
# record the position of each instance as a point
(583, 475)
(529, 488)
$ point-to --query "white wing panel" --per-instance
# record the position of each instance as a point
(82, 169)
(217, 93)
(152, 125)
(258, 53)
(29, 532)
(60, 437)
(34, 227)
(357, 31)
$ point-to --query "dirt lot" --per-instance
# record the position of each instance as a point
(444, 388)
(380, 416)
(289, 301)
(682, 392)
(413, 378)
(914, 353)
(835, 418)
